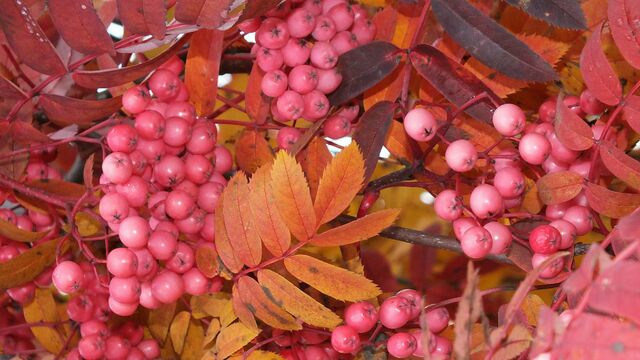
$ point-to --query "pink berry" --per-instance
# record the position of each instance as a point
(223, 160)
(303, 79)
(557, 211)
(174, 64)
(274, 83)
(509, 182)
(361, 316)
(193, 223)
(67, 277)
(395, 312)
(122, 262)
(442, 347)
(91, 347)
(476, 242)
(136, 354)
(203, 139)
(401, 345)
(509, 119)
(149, 348)
(461, 225)
(116, 347)
(208, 228)
(153, 150)
(486, 201)
(164, 84)
(313, 6)
(94, 327)
(290, 105)
(580, 217)
(181, 109)
(179, 205)
(345, 339)
(551, 165)
(177, 131)
(131, 331)
(125, 290)
(301, 23)
(208, 196)
(247, 26)
(461, 155)
(364, 30)
(590, 104)
(437, 319)
(324, 55)
(568, 232)
(22, 294)
(296, 52)
(342, 16)
(122, 309)
(500, 235)
(147, 299)
(134, 232)
(198, 169)
(162, 245)
(344, 41)
(287, 137)
(315, 353)
(324, 29)
(415, 299)
(316, 105)
(195, 283)
(448, 205)
(122, 138)
(561, 152)
(117, 167)
(552, 269)
(80, 308)
(506, 158)
(573, 103)
(136, 99)
(113, 207)
(420, 124)
(167, 287)
(534, 148)
(337, 127)
(135, 191)
(182, 260)
(545, 239)
(547, 111)
(269, 59)
(150, 125)
(273, 33)
(328, 80)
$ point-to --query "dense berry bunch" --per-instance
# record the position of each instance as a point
(525, 150)
(297, 47)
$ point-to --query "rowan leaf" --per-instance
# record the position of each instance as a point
(616, 290)
(9, 90)
(43, 309)
(257, 8)
(329, 279)
(264, 306)
(211, 304)
(28, 265)
(212, 331)
(160, 320)
(621, 165)
(143, 16)
(597, 72)
(256, 103)
(314, 159)
(340, 182)
(207, 261)
(223, 242)
(292, 196)
(469, 311)
(398, 142)
(243, 312)
(252, 151)
(193, 341)
(272, 229)
(209, 14)
(64, 111)
(296, 301)
(561, 13)
(10, 231)
(202, 69)
(631, 111)
(371, 134)
(611, 203)
(572, 131)
(558, 187)
(376, 60)
(79, 25)
(178, 330)
(499, 48)
(518, 341)
(358, 230)
(239, 221)
(264, 355)
(623, 21)
(234, 338)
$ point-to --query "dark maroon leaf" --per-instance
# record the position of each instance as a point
(255, 8)
(377, 268)
(372, 132)
(210, 14)
(562, 13)
(362, 68)
(112, 77)
(79, 25)
(572, 131)
(624, 22)
(9, 90)
(617, 290)
(64, 110)
(490, 43)
(27, 39)
(143, 16)
(597, 72)
(521, 256)
(453, 81)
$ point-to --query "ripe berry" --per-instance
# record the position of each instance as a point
(135, 191)
(182, 260)
(361, 316)
(94, 327)
(149, 348)
(476, 242)
(509, 182)
(568, 232)
(328, 80)
(557, 211)
(91, 347)
(437, 319)
(203, 139)
(134, 232)
(177, 131)
(580, 217)
(301, 23)
(80, 308)
(324, 55)
(590, 104)
(336, 127)
(509, 119)
(552, 269)
(461, 225)
(273, 33)
(179, 205)
(534, 148)
(316, 105)
(461, 155)
(415, 299)
(117, 167)
(269, 59)
(545, 239)
(448, 205)
(500, 235)
(113, 207)
(223, 161)
(67, 277)
(287, 137)
(290, 105)
(122, 262)
(561, 152)
(181, 109)
(167, 287)
(296, 52)
(150, 125)
(395, 312)
(146, 297)
(122, 309)
(401, 345)
(164, 84)
(122, 138)
(344, 41)
(136, 99)
(195, 283)
(485, 201)
(208, 196)
(442, 346)
(325, 28)
(198, 169)
(162, 244)
(364, 30)
(547, 111)
(125, 290)
(153, 150)
(345, 339)
(116, 347)
(420, 124)
(274, 83)
(22, 294)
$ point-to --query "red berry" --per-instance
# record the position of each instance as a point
(136, 99)
(122, 138)
(167, 287)
(509, 119)
(485, 201)
(361, 316)
(476, 242)
(534, 148)
(337, 127)
(448, 205)
(395, 312)
(67, 277)
(287, 137)
(91, 347)
(580, 217)
(150, 125)
(509, 182)
(545, 239)
(122, 262)
(274, 83)
(345, 339)
(272, 34)
(401, 345)
(164, 84)
(568, 232)
(324, 55)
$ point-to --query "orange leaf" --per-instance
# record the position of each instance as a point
(233, 338)
(398, 142)
(611, 203)
(207, 261)
(243, 312)
(558, 187)
(264, 307)
(212, 331)
(28, 265)
(159, 321)
(193, 343)
(210, 304)
(238, 221)
(256, 103)
(334, 281)
(223, 243)
(43, 309)
(252, 151)
(357, 230)
(314, 159)
(266, 218)
(531, 201)
(12, 232)
(202, 69)
(340, 182)
(620, 164)
(296, 301)
(292, 197)
(178, 330)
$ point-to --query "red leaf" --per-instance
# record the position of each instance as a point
(596, 71)
(79, 25)
(27, 39)
(453, 81)
(63, 110)
(93, 79)
(209, 14)
(131, 14)
(625, 28)
(572, 131)
(375, 61)
(558, 187)
(255, 8)
(154, 17)
(631, 111)
(620, 164)
(202, 68)
(520, 256)
(617, 290)
(9, 90)
(611, 203)
(378, 269)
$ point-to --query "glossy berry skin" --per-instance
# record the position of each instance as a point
(420, 125)
(113, 207)
(290, 105)
(125, 290)
(296, 52)
(134, 232)
(486, 201)
(461, 155)
(67, 277)
(162, 244)
(364, 30)
(345, 339)
(557, 211)
(328, 80)
(395, 312)
(269, 59)
(182, 260)
(203, 139)
(147, 299)
(208, 196)
(287, 137)
(122, 262)
(344, 41)
(324, 55)
(94, 327)
(122, 309)
(167, 287)
(273, 33)
(500, 235)
(324, 29)
(414, 298)
(150, 125)
(509, 182)
(461, 225)
(476, 242)
(509, 119)
(545, 239)
(552, 269)
(437, 319)
(135, 191)
(177, 131)
(568, 232)
(590, 104)
(337, 127)
(195, 283)
(122, 138)
(136, 99)
(361, 316)
(534, 148)
(442, 347)
(547, 111)
(580, 217)
(316, 105)
(448, 205)
(117, 167)
(274, 83)
(198, 169)
(164, 84)
(149, 348)
(401, 345)
(91, 347)
(301, 23)
(179, 205)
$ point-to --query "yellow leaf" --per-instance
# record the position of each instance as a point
(43, 309)
(264, 355)
(160, 320)
(531, 307)
(209, 304)
(273, 231)
(518, 341)
(87, 225)
(340, 182)
(357, 230)
(292, 197)
(336, 282)
(296, 301)
(314, 159)
(212, 332)
(264, 307)
(178, 330)
(238, 221)
(233, 338)
(193, 342)
(10, 231)
(531, 201)
(227, 315)
(252, 151)
(28, 265)
(245, 316)
(223, 243)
